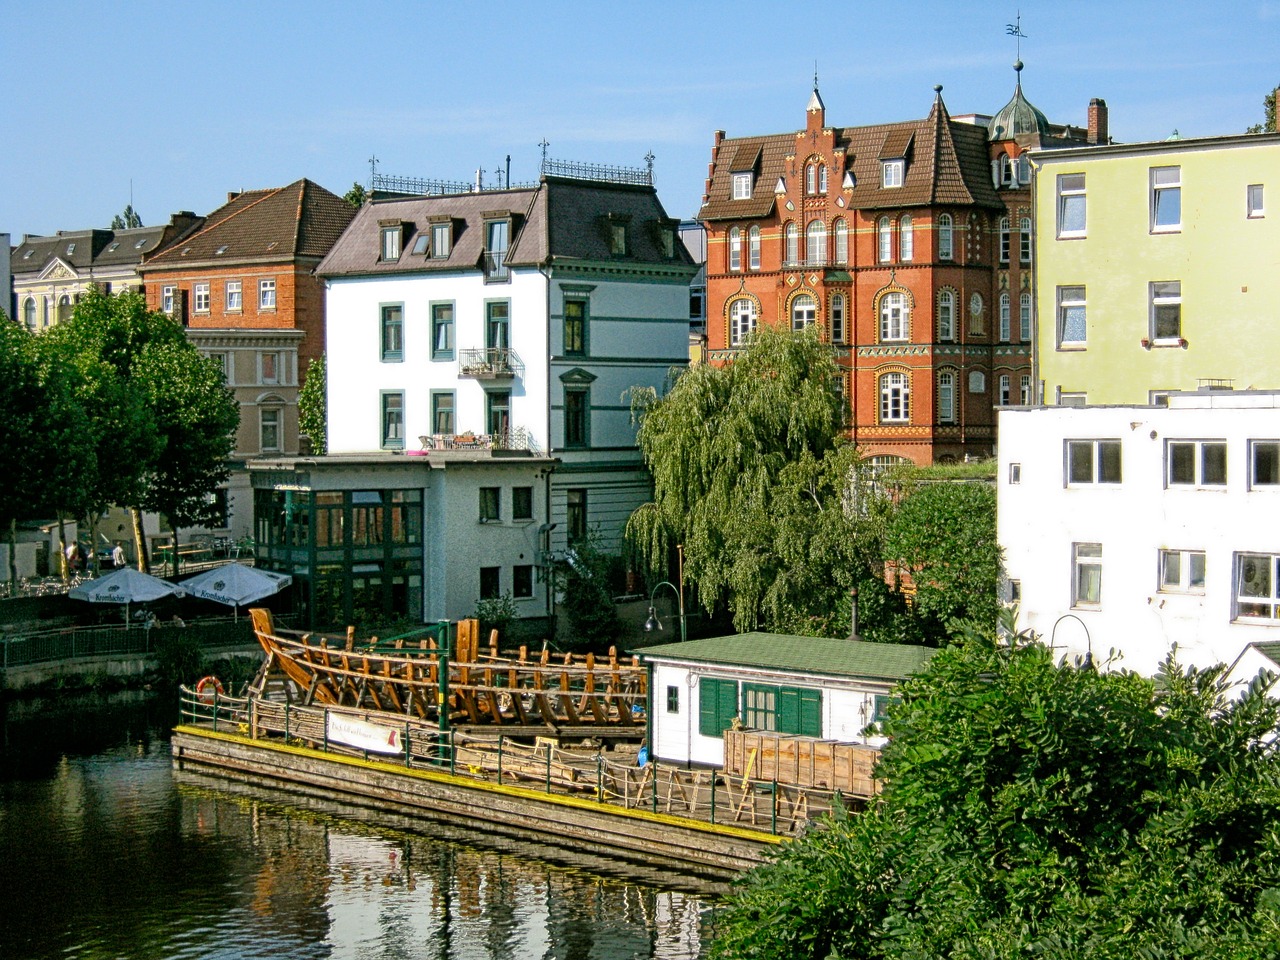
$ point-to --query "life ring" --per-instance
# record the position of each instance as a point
(209, 688)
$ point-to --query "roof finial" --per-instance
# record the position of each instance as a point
(1015, 30)
(815, 74)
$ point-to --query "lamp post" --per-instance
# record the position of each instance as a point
(653, 623)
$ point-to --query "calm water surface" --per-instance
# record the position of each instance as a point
(106, 852)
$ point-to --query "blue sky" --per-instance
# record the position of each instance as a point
(190, 100)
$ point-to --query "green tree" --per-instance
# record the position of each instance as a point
(944, 536)
(1034, 808)
(751, 475)
(356, 196)
(1268, 124)
(586, 599)
(127, 220)
(313, 411)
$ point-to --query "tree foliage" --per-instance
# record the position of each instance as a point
(313, 411)
(128, 219)
(1042, 810)
(1268, 124)
(583, 583)
(750, 475)
(357, 195)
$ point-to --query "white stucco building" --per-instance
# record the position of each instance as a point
(1135, 528)
(809, 686)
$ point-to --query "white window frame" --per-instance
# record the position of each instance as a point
(1004, 240)
(1207, 458)
(1178, 571)
(1086, 557)
(735, 249)
(842, 241)
(1166, 199)
(1024, 240)
(753, 247)
(791, 243)
(1006, 318)
(884, 240)
(906, 239)
(1072, 192)
(267, 294)
(1271, 464)
(1089, 462)
(895, 317)
(441, 240)
(1005, 390)
(168, 299)
(742, 320)
(946, 237)
(1256, 580)
(1254, 201)
(895, 397)
(270, 359)
(1164, 296)
(389, 240)
(837, 312)
(741, 185)
(946, 397)
(804, 311)
(272, 414)
(946, 315)
(1024, 390)
(234, 296)
(893, 172)
(200, 297)
(815, 243)
(1071, 297)
(1024, 318)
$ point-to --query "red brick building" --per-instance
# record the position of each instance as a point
(908, 244)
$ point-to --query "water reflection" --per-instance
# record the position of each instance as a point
(116, 855)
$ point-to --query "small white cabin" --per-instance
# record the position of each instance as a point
(807, 686)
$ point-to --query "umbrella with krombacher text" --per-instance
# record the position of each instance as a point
(126, 586)
(236, 584)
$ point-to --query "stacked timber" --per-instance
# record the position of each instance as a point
(526, 695)
(801, 761)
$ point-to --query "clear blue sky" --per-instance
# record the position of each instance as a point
(188, 100)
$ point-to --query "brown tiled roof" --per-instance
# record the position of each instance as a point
(947, 163)
(302, 220)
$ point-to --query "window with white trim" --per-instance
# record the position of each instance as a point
(906, 240)
(269, 428)
(1181, 571)
(837, 318)
(1166, 199)
(1257, 578)
(234, 296)
(895, 398)
(791, 244)
(1166, 311)
(1264, 463)
(1092, 461)
(1006, 319)
(1196, 463)
(1004, 240)
(1086, 574)
(200, 298)
(753, 247)
(946, 397)
(884, 243)
(269, 367)
(1005, 390)
(894, 317)
(266, 294)
(804, 310)
(1253, 201)
(392, 419)
(392, 332)
(735, 248)
(390, 238)
(842, 241)
(1024, 240)
(946, 315)
(742, 186)
(1024, 318)
(1024, 391)
(742, 320)
(441, 239)
(816, 243)
(945, 237)
(891, 172)
(1071, 205)
(1072, 327)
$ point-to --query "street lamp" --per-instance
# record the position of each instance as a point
(653, 623)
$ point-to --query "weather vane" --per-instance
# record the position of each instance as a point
(373, 170)
(1015, 30)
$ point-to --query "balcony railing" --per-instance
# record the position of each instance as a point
(515, 439)
(490, 363)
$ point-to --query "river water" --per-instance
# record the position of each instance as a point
(107, 852)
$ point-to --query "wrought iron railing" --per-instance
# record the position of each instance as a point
(490, 363)
(517, 439)
(636, 176)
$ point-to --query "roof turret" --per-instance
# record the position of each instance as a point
(1017, 116)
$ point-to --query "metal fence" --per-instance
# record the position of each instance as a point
(140, 640)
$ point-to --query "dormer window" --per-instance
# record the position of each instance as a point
(742, 185)
(392, 234)
(891, 172)
(441, 239)
(497, 235)
(616, 234)
(140, 244)
(71, 248)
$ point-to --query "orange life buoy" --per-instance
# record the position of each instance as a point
(209, 688)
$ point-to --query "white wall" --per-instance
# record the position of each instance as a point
(1041, 517)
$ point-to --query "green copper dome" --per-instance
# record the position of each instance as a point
(1017, 116)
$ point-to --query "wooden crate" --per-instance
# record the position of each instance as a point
(801, 761)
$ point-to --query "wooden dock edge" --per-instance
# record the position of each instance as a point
(717, 852)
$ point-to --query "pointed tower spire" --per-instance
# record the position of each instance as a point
(816, 111)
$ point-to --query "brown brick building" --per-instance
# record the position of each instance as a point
(908, 244)
(244, 288)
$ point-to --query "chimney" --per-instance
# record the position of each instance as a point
(1098, 121)
(232, 194)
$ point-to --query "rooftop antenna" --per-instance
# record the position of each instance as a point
(1015, 30)
(373, 170)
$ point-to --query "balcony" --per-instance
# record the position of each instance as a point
(516, 439)
(490, 363)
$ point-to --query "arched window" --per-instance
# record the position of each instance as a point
(906, 241)
(791, 239)
(804, 310)
(945, 232)
(837, 318)
(1006, 170)
(1005, 320)
(885, 245)
(816, 243)
(64, 308)
(811, 178)
(1004, 239)
(742, 320)
(1024, 318)
(29, 313)
(946, 315)
(1006, 390)
(1024, 239)
(822, 178)
(895, 398)
(946, 397)
(842, 241)
(894, 317)
(753, 247)
(735, 248)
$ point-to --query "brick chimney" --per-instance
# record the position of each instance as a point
(1098, 121)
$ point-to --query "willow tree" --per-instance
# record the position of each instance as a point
(751, 475)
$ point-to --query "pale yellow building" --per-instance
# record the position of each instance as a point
(1157, 268)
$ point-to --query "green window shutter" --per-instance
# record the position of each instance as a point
(788, 710)
(717, 705)
(811, 713)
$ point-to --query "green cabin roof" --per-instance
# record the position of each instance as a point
(819, 656)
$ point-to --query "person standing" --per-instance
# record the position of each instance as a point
(117, 556)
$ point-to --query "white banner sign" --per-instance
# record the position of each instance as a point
(366, 736)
